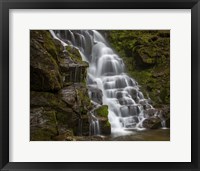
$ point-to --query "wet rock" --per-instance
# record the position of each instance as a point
(133, 93)
(164, 114)
(102, 115)
(68, 95)
(73, 72)
(150, 112)
(105, 126)
(83, 98)
(85, 125)
(73, 69)
(152, 123)
(143, 102)
(95, 94)
(165, 111)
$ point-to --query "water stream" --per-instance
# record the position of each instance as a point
(107, 72)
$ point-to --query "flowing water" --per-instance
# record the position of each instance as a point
(107, 72)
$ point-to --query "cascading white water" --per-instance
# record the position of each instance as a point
(106, 72)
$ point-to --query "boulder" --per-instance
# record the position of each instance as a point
(150, 112)
(102, 115)
(152, 123)
(105, 126)
(102, 111)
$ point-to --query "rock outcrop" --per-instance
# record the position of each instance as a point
(44, 70)
(59, 100)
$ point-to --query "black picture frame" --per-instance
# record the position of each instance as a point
(5, 5)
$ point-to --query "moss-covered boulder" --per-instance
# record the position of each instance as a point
(102, 115)
(105, 126)
(44, 70)
(102, 111)
(152, 123)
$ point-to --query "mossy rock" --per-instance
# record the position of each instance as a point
(43, 124)
(105, 126)
(44, 70)
(102, 111)
(74, 55)
(82, 95)
(47, 99)
(65, 116)
(45, 39)
(102, 115)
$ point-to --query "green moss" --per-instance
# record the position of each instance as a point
(108, 124)
(102, 111)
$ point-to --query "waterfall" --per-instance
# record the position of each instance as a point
(107, 72)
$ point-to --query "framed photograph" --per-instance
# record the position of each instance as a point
(102, 85)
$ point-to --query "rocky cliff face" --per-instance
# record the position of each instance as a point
(59, 101)
(147, 59)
